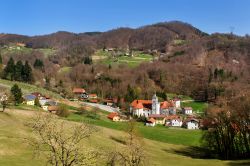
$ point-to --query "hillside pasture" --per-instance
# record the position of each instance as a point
(107, 58)
(28, 88)
(16, 151)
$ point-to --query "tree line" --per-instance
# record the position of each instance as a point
(227, 126)
(18, 71)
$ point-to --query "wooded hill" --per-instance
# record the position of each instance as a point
(189, 61)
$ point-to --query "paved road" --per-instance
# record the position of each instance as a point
(100, 106)
(187, 101)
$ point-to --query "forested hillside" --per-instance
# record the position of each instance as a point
(185, 60)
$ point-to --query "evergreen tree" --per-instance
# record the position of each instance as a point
(110, 67)
(17, 94)
(88, 60)
(1, 60)
(18, 71)
(9, 70)
(38, 64)
(37, 103)
(27, 72)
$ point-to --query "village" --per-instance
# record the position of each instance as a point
(167, 113)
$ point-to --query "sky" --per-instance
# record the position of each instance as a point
(38, 17)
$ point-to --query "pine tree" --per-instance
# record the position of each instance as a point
(37, 103)
(27, 72)
(88, 60)
(1, 60)
(19, 71)
(38, 64)
(17, 94)
(9, 70)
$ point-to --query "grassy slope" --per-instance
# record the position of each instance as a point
(46, 51)
(28, 88)
(106, 58)
(158, 133)
(15, 151)
(198, 107)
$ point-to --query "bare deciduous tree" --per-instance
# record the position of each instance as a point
(132, 153)
(60, 143)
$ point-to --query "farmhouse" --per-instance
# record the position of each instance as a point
(38, 95)
(114, 116)
(92, 96)
(29, 99)
(177, 102)
(174, 121)
(79, 93)
(159, 119)
(187, 110)
(47, 104)
(150, 122)
(191, 123)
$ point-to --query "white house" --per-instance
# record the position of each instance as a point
(192, 124)
(47, 104)
(187, 110)
(174, 121)
(150, 122)
(177, 103)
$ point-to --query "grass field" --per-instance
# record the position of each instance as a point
(28, 88)
(64, 70)
(159, 133)
(198, 107)
(15, 150)
(23, 50)
(107, 59)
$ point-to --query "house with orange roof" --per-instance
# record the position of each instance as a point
(159, 119)
(80, 93)
(114, 116)
(93, 96)
(147, 107)
(150, 122)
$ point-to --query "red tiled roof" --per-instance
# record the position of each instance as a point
(37, 94)
(147, 103)
(170, 117)
(139, 106)
(166, 104)
(112, 115)
(135, 102)
(151, 120)
(93, 101)
(78, 90)
(92, 95)
(191, 119)
(188, 108)
(156, 116)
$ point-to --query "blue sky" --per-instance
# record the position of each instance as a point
(36, 17)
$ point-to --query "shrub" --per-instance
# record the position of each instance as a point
(62, 111)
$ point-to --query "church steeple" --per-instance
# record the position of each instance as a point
(155, 105)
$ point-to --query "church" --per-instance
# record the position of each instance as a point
(145, 108)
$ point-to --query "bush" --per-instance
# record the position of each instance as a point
(62, 111)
